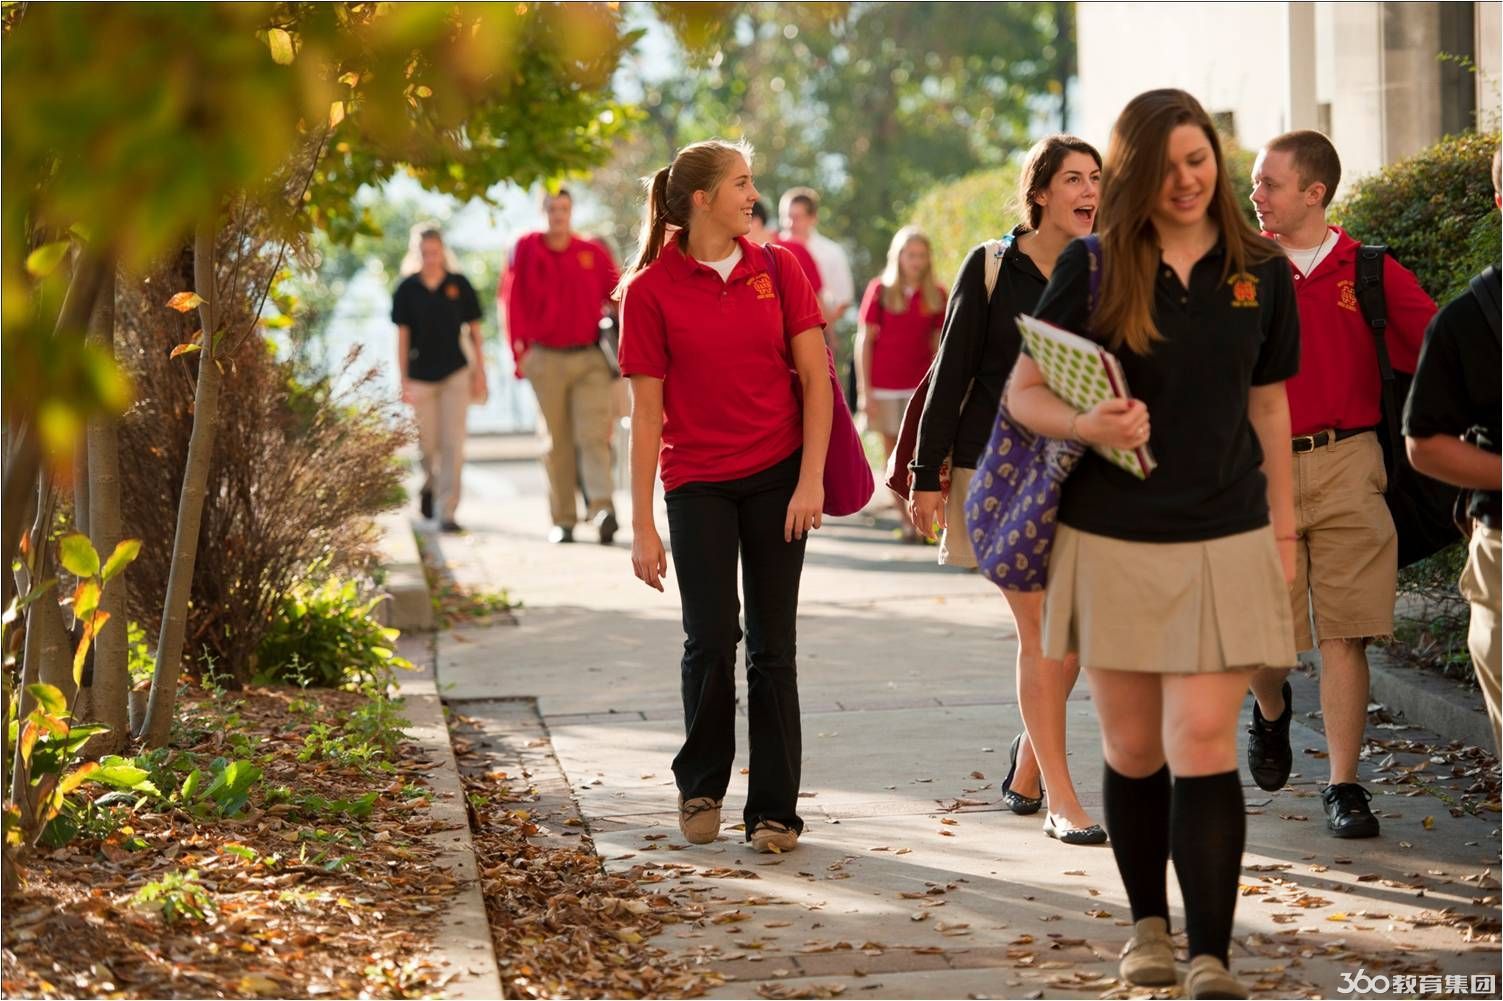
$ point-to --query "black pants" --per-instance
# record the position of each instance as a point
(708, 524)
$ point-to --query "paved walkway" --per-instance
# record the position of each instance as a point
(911, 880)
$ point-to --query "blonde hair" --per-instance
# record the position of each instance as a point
(412, 261)
(929, 300)
(699, 166)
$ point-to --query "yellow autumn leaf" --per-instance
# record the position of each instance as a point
(280, 43)
(1429, 823)
(185, 302)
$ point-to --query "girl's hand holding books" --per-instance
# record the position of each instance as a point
(1115, 423)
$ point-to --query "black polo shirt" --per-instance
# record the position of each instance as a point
(977, 349)
(435, 317)
(1222, 335)
(1456, 385)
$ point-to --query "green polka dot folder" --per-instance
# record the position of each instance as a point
(1083, 373)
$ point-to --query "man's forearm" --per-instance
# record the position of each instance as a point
(1456, 462)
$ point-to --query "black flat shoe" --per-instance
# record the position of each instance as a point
(1347, 812)
(1022, 805)
(1093, 835)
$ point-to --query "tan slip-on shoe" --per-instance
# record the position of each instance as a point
(1209, 978)
(771, 836)
(699, 818)
(1148, 957)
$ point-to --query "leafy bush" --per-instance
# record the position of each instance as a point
(299, 468)
(323, 635)
(960, 214)
(1434, 209)
(177, 896)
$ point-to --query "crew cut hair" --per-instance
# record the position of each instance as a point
(1314, 158)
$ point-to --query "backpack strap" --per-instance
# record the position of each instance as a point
(992, 261)
(1374, 303)
(1482, 291)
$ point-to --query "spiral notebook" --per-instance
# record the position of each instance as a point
(1083, 373)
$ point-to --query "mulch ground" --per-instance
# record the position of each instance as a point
(303, 896)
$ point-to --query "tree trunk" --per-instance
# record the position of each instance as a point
(24, 452)
(109, 689)
(158, 722)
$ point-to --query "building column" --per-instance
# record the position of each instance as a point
(1300, 104)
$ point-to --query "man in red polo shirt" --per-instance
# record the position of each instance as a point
(553, 293)
(1346, 548)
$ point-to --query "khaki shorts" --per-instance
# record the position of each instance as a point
(955, 544)
(1480, 586)
(890, 414)
(1168, 607)
(1346, 559)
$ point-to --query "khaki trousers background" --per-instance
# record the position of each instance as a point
(440, 409)
(1480, 586)
(575, 402)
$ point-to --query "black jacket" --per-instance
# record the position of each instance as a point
(977, 350)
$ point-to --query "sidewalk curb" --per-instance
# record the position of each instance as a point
(464, 938)
(410, 606)
(1427, 700)
(1432, 701)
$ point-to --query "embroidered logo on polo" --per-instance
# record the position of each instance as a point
(1346, 295)
(1244, 290)
(451, 290)
(762, 285)
(586, 259)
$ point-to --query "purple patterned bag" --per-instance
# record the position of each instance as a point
(1012, 505)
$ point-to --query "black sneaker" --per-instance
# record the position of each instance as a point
(451, 527)
(1269, 758)
(559, 534)
(607, 525)
(425, 503)
(1347, 815)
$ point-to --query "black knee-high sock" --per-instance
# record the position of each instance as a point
(1137, 819)
(1209, 829)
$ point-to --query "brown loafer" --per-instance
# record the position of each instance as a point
(699, 818)
(1148, 958)
(771, 836)
(1209, 978)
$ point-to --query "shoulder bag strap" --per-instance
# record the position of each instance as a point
(1374, 305)
(1483, 293)
(992, 261)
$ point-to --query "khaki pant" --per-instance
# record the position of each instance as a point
(1480, 586)
(575, 402)
(440, 410)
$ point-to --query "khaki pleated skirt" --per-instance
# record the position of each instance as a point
(1168, 608)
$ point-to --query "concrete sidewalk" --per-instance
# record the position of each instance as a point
(911, 880)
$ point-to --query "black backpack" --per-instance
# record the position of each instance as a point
(1421, 507)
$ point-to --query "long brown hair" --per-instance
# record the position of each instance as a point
(1136, 162)
(930, 298)
(699, 166)
(1039, 167)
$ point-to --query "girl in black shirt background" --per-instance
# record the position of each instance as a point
(1172, 589)
(1058, 192)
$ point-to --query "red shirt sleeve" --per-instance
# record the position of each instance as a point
(801, 309)
(1409, 313)
(805, 262)
(871, 302)
(644, 335)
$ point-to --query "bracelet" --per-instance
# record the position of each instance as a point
(1075, 435)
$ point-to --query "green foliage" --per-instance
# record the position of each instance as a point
(177, 896)
(958, 215)
(872, 103)
(139, 660)
(1435, 210)
(324, 635)
(1431, 629)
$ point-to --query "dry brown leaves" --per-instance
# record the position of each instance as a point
(284, 927)
(562, 926)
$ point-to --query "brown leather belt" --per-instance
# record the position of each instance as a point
(1320, 439)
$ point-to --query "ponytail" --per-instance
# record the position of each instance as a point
(699, 166)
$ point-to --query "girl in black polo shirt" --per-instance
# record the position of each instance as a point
(1058, 190)
(1172, 589)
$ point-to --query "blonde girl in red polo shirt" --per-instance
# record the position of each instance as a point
(713, 330)
(901, 316)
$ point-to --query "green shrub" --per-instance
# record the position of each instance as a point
(960, 214)
(1435, 210)
(323, 635)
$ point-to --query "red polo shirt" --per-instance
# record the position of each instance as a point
(722, 349)
(556, 297)
(1338, 384)
(904, 345)
(805, 261)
